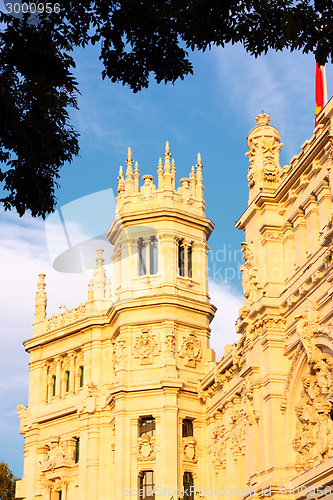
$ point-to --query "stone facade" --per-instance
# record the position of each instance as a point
(125, 392)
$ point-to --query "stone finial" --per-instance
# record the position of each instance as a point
(99, 277)
(199, 186)
(136, 176)
(108, 289)
(160, 174)
(193, 181)
(167, 156)
(99, 259)
(263, 119)
(129, 181)
(121, 184)
(264, 150)
(173, 172)
(90, 290)
(40, 300)
(129, 164)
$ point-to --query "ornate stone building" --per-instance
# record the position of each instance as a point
(125, 394)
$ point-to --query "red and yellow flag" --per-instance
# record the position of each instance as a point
(319, 91)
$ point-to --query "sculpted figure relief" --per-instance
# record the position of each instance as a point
(219, 446)
(314, 411)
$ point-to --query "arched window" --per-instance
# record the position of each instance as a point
(54, 385)
(67, 380)
(147, 426)
(147, 485)
(153, 255)
(81, 376)
(189, 260)
(181, 258)
(187, 427)
(142, 258)
(188, 485)
(77, 450)
(148, 256)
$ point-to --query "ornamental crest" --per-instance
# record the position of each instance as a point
(145, 348)
(146, 448)
(189, 449)
(190, 350)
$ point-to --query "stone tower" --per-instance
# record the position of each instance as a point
(113, 400)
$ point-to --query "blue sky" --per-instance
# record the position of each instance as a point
(210, 112)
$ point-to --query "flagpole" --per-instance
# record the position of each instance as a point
(325, 85)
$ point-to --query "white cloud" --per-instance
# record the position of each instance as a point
(228, 303)
(281, 84)
(24, 255)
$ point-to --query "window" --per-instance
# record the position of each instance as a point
(77, 450)
(187, 427)
(181, 259)
(59, 495)
(148, 256)
(189, 261)
(53, 385)
(67, 381)
(147, 485)
(188, 485)
(147, 426)
(81, 376)
(153, 256)
(142, 258)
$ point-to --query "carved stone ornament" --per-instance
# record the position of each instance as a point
(314, 430)
(57, 454)
(170, 345)
(189, 449)
(56, 485)
(119, 351)
(190, 350)
(250, 413)
(25, 418)
(219, 446)
(237, 434)
(146, 347)
(250, 274)
(88, 403)
(146, 448)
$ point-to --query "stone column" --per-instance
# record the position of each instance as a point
(299, 228)
(312, 223)
(71, 356)
(44, 382)
(289, 249)
(58, 376)
(324, 203)
(92, 459)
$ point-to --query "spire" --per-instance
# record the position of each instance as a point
(136, 177)
(160, 174)
(40, 300)
(99, 277)
(192, 181)
(90, 290)
(167, 156)
(167, 169)
(121, 183)
(173, 172)
(129, 181)
(199, 186)
(108, 289)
